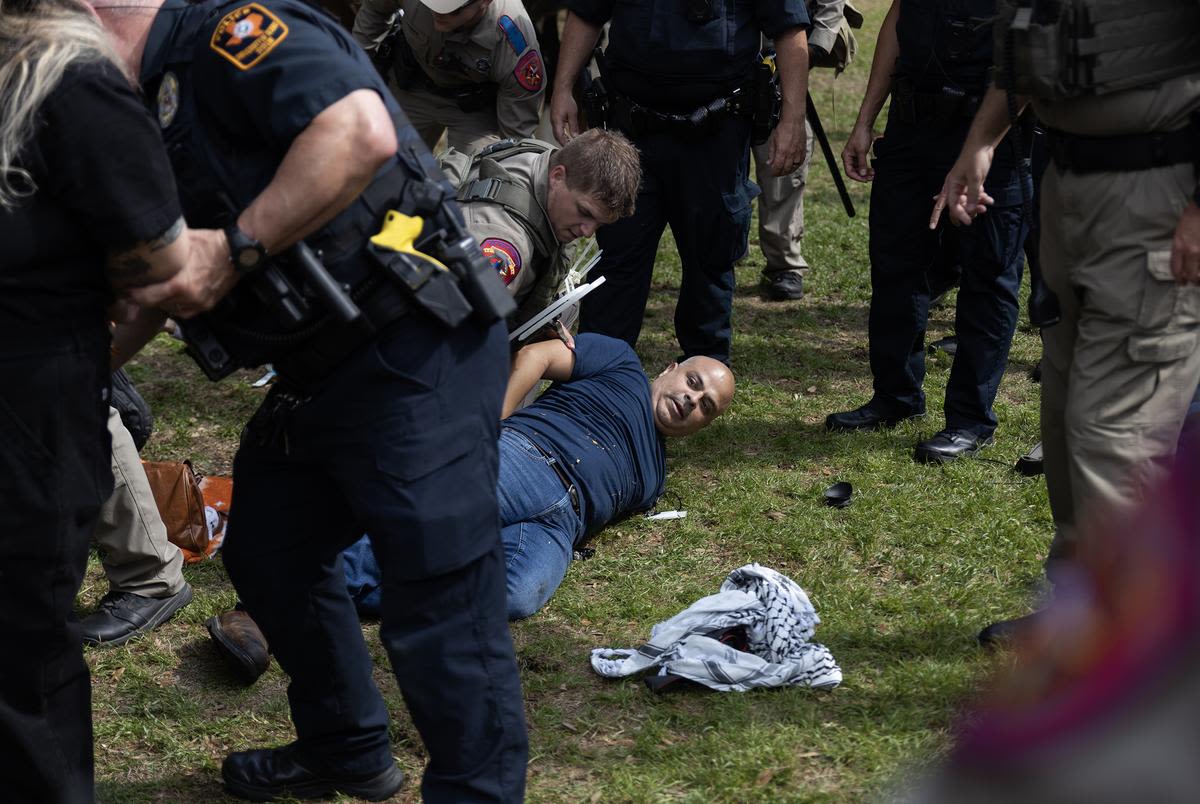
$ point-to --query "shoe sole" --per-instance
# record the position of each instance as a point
(922, 456)
(245, 664)
(885, 424)
(380, 787)
(177, 601)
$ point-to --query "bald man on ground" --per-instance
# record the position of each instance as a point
(588, 451)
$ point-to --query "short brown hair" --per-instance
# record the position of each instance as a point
(604, 165)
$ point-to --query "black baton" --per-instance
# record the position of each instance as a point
(810, 111)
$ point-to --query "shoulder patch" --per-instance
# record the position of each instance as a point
(504, 258)
(245, 36)
(512, 33)
(529, 71)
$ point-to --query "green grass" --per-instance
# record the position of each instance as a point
(902, 579)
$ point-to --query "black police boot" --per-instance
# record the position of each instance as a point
(949, 445)
(123, 615)
(783, 286)
(867, 417)
(266, 774)
(1001, 632)
(948, 344)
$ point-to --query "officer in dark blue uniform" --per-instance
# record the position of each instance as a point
(677, 75)
(933, 57)
(278, 127)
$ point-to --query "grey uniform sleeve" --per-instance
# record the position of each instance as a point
(826, 17)
(371, 21)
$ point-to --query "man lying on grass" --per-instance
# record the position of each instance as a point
(588, 451)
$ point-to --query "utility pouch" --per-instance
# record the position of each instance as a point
(767, 100)
(1032, 50)
(700, 12)
(431, 284)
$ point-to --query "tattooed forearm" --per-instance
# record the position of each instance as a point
(129, 270)
(168, 237)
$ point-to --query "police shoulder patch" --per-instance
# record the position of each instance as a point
(245, 36)
(504, 256)
(529, 71)
(516, 39)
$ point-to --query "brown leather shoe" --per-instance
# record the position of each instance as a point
(238, 639)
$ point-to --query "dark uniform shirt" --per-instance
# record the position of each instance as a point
(946, 45)
(102, 184)
(659, 58)
(234, 84)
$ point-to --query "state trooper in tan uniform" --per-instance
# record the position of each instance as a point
(1120, 237)
(470, 69)
(524, 201)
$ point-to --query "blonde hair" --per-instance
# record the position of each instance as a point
(39, 40)
(605, 165)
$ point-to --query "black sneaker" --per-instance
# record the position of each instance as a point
(123, 615)
(784, 286)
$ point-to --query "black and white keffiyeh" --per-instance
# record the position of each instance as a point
(778, 620)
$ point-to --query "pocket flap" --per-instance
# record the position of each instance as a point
(1161, 348)
(420, 454)
(1158, 263)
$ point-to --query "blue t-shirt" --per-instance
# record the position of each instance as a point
(600, 428)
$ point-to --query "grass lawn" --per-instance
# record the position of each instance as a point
(902, 579)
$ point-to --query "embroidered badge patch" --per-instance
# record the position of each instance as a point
(504, 258)
(168, 99)
(247, 35)
(512, 33)
(529, 71)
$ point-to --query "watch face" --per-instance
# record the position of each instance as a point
(248, 258)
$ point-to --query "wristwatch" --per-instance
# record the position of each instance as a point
(246, 253)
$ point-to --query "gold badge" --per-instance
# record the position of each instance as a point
(247, 35)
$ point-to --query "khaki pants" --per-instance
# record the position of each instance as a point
(781, 211)
(138, 558)
(1120, 368)
(432, 114)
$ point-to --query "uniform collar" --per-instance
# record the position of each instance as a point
(171, 35)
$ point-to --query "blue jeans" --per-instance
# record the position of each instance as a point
(539, 529)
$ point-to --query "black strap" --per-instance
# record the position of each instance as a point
(1124, 153)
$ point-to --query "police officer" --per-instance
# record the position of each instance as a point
(279, 128)
(523, 201)
(1120, 242)
(933, 58)
(676, 74)
(471, 69)
(781, 205)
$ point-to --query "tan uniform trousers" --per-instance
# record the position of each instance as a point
(781, 211)
(431, 115)
(137, 556)
(1120, 368)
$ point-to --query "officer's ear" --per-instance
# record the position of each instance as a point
(558, 174)
(670, 367)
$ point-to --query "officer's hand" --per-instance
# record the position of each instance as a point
(786, 146)
(564, 116)
(962, 194)
(207, 277)
(1185, 249)
(856, 155)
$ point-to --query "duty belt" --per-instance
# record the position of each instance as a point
(633, 118)
(381, 304)
(912, 105)
(1126, 152)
